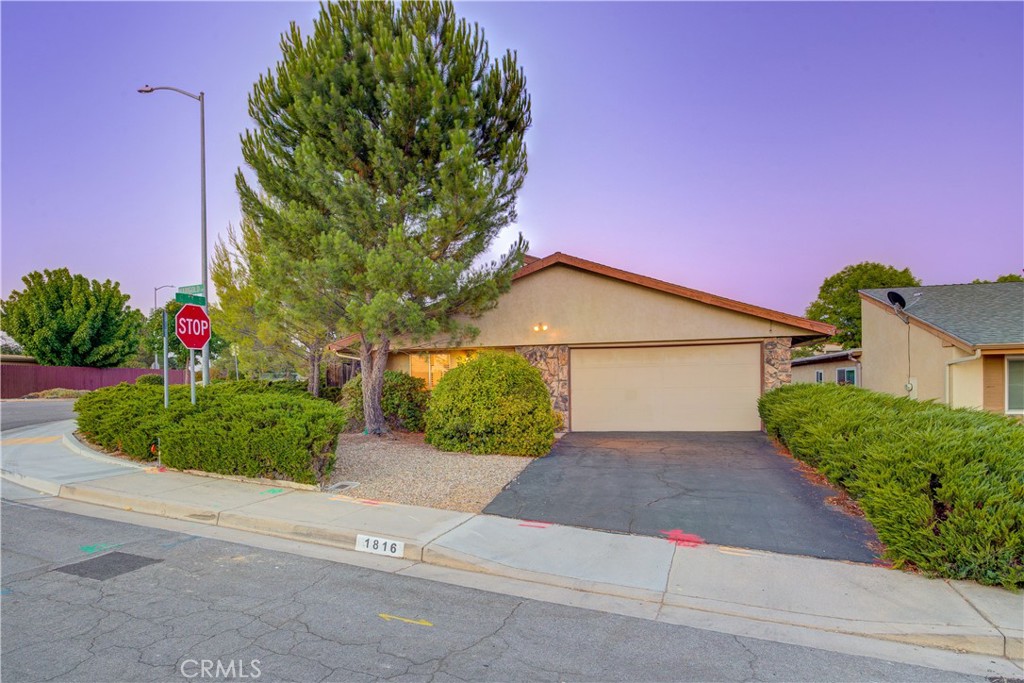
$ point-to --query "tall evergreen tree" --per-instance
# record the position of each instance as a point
(268, 333)
(389, 152)
(65, 319)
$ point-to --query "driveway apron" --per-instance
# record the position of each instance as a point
(728, 488)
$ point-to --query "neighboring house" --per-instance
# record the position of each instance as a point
(625, 352)
(835, 367)
(962, 345)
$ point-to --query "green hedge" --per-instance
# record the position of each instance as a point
(249, 428)
(403, 400)
(157, 380)
(944, 488)
(494, 403)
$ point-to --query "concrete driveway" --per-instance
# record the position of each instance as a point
(728, 488)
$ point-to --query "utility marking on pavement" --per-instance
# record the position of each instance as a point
(417, 622)
(739, 552)
(99, 547)
(534, 525)
(341, 498)
(5, 591)
(272, 491)
(17, 441)
(681, 538)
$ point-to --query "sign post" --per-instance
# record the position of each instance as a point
(192, 326)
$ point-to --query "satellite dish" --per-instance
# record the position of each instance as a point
(896, 299)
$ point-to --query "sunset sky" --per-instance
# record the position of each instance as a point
(745, 149)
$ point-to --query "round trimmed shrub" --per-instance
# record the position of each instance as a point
(495, 403)
(143, 380)
(403, 400)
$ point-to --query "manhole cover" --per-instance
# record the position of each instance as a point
(107, 566)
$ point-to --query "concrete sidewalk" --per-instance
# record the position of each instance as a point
(676, 580)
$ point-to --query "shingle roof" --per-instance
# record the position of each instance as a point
(851, 354)
(981, 314)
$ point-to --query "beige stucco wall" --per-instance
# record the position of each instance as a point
(804, 374)
(966, 385)
(884, 356)
(585, 308)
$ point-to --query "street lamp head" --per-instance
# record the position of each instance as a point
(146, 89)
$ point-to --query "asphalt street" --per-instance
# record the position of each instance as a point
(14, 414)
(727, 488)
(86, 599)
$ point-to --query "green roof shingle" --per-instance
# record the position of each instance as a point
(980, 314)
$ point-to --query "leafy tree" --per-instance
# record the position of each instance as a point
(177, 354)
(1009, 277)
(389, 152)
(269, 336)
(65, 319)
(839, 304)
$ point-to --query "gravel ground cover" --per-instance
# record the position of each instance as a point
(402, 468)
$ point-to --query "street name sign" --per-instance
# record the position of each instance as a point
(191, 289)
(192, 326)
(183, 298)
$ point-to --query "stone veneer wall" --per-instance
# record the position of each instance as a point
(778, 369)
(553, 363)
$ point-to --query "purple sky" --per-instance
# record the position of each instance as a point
(749, 150)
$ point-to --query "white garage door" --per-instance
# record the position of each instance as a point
(710, 388)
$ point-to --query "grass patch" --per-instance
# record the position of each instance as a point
(58, 393)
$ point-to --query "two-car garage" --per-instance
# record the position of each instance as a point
(706, 387)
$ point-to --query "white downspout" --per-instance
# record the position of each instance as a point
(955, 361)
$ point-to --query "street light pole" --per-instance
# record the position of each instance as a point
(201, 98)
(155, 290)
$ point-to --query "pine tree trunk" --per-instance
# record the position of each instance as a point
(374, 360)
(313, 358)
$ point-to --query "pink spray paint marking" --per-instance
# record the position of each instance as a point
(681, 538)
(534, 525)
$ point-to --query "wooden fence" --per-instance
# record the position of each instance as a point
(18, 379)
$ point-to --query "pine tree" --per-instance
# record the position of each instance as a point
(389, 152)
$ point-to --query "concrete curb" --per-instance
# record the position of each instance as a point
(78, 448)
(84, 493)
(989, 642)
(43, 486)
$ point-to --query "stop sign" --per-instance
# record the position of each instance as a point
(192, 326)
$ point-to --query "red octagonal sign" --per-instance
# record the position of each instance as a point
(192, 326)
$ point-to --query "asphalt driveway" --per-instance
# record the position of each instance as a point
(728, 488)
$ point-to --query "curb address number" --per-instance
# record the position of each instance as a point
(380, 546)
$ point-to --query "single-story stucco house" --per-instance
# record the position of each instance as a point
(962, 345)
(835, 367)
(625, 352)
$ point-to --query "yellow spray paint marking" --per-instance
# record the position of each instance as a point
(739, 552)
(29, 439)
(417, 622)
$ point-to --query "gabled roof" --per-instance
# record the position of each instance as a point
(990, 314)
(558, 258)
(845, 354)
(532, 265)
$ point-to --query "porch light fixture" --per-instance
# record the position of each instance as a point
(540, 327)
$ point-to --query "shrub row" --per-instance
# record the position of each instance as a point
(944, 488)
(249, 428)
(494, 403)
(403, 401)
